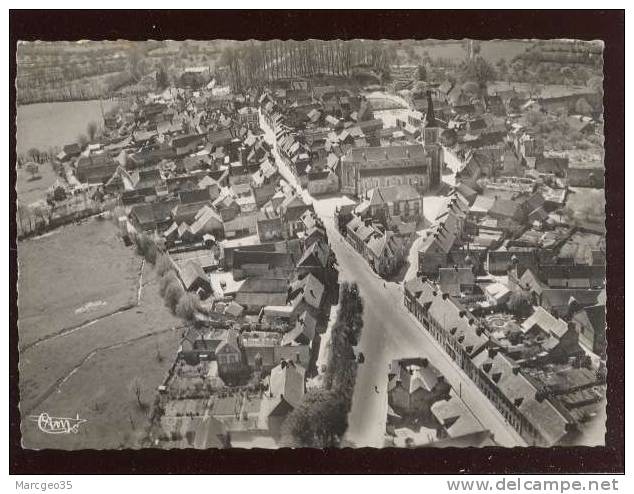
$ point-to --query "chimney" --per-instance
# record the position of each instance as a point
(445, 296)
(435, 293)
(462, 313)
(518, 401)
(492, 352)
(516, 370)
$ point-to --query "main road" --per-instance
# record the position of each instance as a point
(389, 332)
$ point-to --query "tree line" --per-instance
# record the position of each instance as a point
(322, 418)
(255, 63)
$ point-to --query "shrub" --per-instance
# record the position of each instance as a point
(166, 279)
(163, 265)
(173, 293)
(188, 306)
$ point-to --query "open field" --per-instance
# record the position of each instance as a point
(49, 125)
(29, 191)
(71, 276)
(90, 371)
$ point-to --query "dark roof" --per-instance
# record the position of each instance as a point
(245, 256)
(191, 272)
(264, 285)
(386, 153)
(505, 208)
(193, 196)
(180, 141)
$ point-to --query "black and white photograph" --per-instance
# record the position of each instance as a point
(312, 243)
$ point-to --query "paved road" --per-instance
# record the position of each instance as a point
(390, 332)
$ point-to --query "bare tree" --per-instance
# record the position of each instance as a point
(135, 387)
(91, 130)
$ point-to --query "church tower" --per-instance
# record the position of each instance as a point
(431, 142)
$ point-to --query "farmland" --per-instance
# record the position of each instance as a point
(88, 370)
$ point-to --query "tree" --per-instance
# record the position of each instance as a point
(163, 265)
(480, 71)
(167, 278)
(82, 140)
(91, 130)
(173, 293)
(59, 194)
(534, 118)
(449, 138)
(582, 107)
(519, 304)
(135, 62)
(135, 388)
(319, 422)
(596, 84)
(33, 169)
(188, 306)
(421, 73)
(161, 77)
(33, 154)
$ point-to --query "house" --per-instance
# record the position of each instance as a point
(154, 216)
(497, 294)
(456, 420)
(315, 259)
(69, 151)
(242, 225)
(307, 289)
(206, 221)
(195, 279)
(95, 168)
(386, 253)
(257, 262)
(291, 211)
(270, 228)
(504, 209)
(285, 393)
(452, 325)
(397, 200)
(520, 401)
(229, 354)
(413, 386)
(227, 206)
(558, 337)
(258, 292)
(442, 237)
(591, 324)
(455, 280)
(210, 433)
(303, 332)
(186, 144)
(500, 261)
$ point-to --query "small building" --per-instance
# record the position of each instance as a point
(195, 279)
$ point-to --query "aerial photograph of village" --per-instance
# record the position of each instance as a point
(311, 244)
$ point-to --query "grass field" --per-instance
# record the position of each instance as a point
(29, 191)
(89, 371)
(73, 275)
